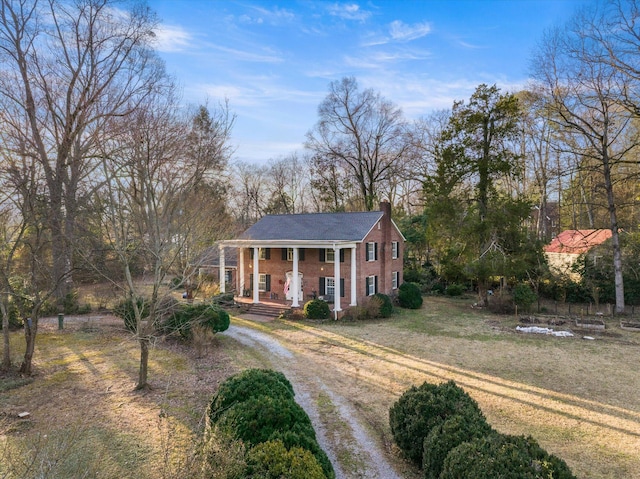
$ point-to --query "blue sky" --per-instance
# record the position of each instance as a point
(274, 61)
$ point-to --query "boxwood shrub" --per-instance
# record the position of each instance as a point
(451, 433)
(272, 460)
(247, 384)
(317, 309)
(507, 457)
(211, 316)
(409, 296)
(420, 409)
(257, 406)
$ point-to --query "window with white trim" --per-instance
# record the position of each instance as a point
(262, 253)
(289, 254)
(330, 287)
(227, 276)
(329, 256)
(371, 251)
(262, 282)
(371, 285)
(394, 250)
(394, 280)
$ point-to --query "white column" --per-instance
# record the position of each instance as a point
(295, 281)
(354, 296)
(256, 275)
(336, 279)
(223, 286)
(241, 271)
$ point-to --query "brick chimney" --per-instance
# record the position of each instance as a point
(385, 249)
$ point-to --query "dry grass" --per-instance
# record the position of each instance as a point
(578, 398)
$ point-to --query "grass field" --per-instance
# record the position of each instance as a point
(577, 397)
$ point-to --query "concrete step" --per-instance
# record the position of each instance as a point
(266, 310)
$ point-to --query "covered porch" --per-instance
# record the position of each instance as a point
(249, 287)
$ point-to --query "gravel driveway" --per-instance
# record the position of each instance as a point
(352, 449)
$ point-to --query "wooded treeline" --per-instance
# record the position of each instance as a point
(107, 176)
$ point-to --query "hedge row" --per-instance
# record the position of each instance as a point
(257, 407)
(443, 431)
(174, 317)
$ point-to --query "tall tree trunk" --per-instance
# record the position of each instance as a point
(615, 237)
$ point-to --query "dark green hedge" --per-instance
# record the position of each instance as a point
(420, 409)
(317, 309)
(506, 457)
(125, 310)
(409, 296)
(211, 316)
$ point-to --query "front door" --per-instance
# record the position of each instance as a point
(288, 286)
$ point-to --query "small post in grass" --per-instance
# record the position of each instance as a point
(60, 321)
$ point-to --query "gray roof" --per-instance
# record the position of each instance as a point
(313, 227)
(211, 257)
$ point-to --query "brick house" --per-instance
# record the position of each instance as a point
(339, 257)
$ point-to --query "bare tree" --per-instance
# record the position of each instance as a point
(587, 97)
(362, 132)
(67, 68)
(250, 193)
(151, 213)
(288, 185)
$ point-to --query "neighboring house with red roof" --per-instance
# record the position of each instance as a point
(341, 257)
(564, 249)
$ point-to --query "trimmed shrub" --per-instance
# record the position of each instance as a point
(455, 289)
(451, 433)
(420, 409)
(263, 418)
(507, 457)
(386, 307)
(209, 316)
(317, 309)
(125, 310)
(409, 296)
(248, 384)
(272, 460)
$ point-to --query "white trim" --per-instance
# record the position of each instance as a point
(296, 287)
(395, 278)
(336, 279)
(222, 281)
(256, 272)
(354, 295)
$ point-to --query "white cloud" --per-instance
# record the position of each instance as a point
(172, 38)
(348, 11)
(402, 32)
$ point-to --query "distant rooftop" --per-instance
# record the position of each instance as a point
(577, 241)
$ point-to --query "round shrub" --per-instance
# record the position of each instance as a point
(263, 418)
(420, 409)
(125, 310)
(209, 316)
(248, 384)
(256, 419)
(272, 460)
(409, 296)
(455, 289)
(317, 309)
(507, 457)
(386, 307)
(451, 433)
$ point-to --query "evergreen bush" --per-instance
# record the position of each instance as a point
(209, 316)
(272, 460)
(409, 296)
(455, 430)
(455, 289)
(248, 384)
(507, 457)
(420, 409)
(125, 310)
(523, 296)
(386, 307)
(317, 309)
